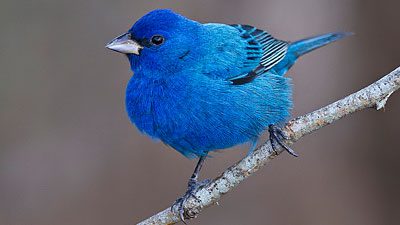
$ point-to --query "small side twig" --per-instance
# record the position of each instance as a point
(375, 95)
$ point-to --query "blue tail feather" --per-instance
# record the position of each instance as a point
(301, 47)
(304, 46)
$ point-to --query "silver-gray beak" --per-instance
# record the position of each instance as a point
(125, 44)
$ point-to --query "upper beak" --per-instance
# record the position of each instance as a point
(125, 44)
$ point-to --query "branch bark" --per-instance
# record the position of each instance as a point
(375, 95)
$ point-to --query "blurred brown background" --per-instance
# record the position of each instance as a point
(69, 156)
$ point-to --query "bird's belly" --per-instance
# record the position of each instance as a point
(197, 121)
(190, 129)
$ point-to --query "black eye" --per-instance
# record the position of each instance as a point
(157, 40)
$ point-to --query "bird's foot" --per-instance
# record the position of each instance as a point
(276, 135)
(193, 187)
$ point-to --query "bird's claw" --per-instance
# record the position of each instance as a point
(276, 135)
(193, 187)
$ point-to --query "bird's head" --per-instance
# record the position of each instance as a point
(159, 41)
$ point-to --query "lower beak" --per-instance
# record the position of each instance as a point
(125, 44)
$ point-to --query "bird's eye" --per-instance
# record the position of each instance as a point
(157, 40)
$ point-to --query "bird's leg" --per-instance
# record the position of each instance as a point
(193, 186)
(193, 179)
(276, 135)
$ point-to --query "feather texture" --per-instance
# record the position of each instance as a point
(262, 46)
(208, 86)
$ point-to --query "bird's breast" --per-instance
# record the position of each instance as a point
(200, 115)
(156, 106)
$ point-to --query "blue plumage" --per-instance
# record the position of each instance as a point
(203, 87)
(301, 47)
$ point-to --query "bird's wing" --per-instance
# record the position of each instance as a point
(262, 49)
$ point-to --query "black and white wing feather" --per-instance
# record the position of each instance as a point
(263, 52)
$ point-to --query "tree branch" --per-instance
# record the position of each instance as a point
(375, 95)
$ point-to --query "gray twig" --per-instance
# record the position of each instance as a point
(375, 95)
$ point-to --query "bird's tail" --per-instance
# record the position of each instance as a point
(301, 47)
(304, 46)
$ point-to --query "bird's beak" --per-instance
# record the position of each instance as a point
(125, 44)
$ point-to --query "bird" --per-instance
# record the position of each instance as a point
(203, 87)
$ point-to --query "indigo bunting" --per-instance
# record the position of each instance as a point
(204, 87)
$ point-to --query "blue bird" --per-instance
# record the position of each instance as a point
(204, 87)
